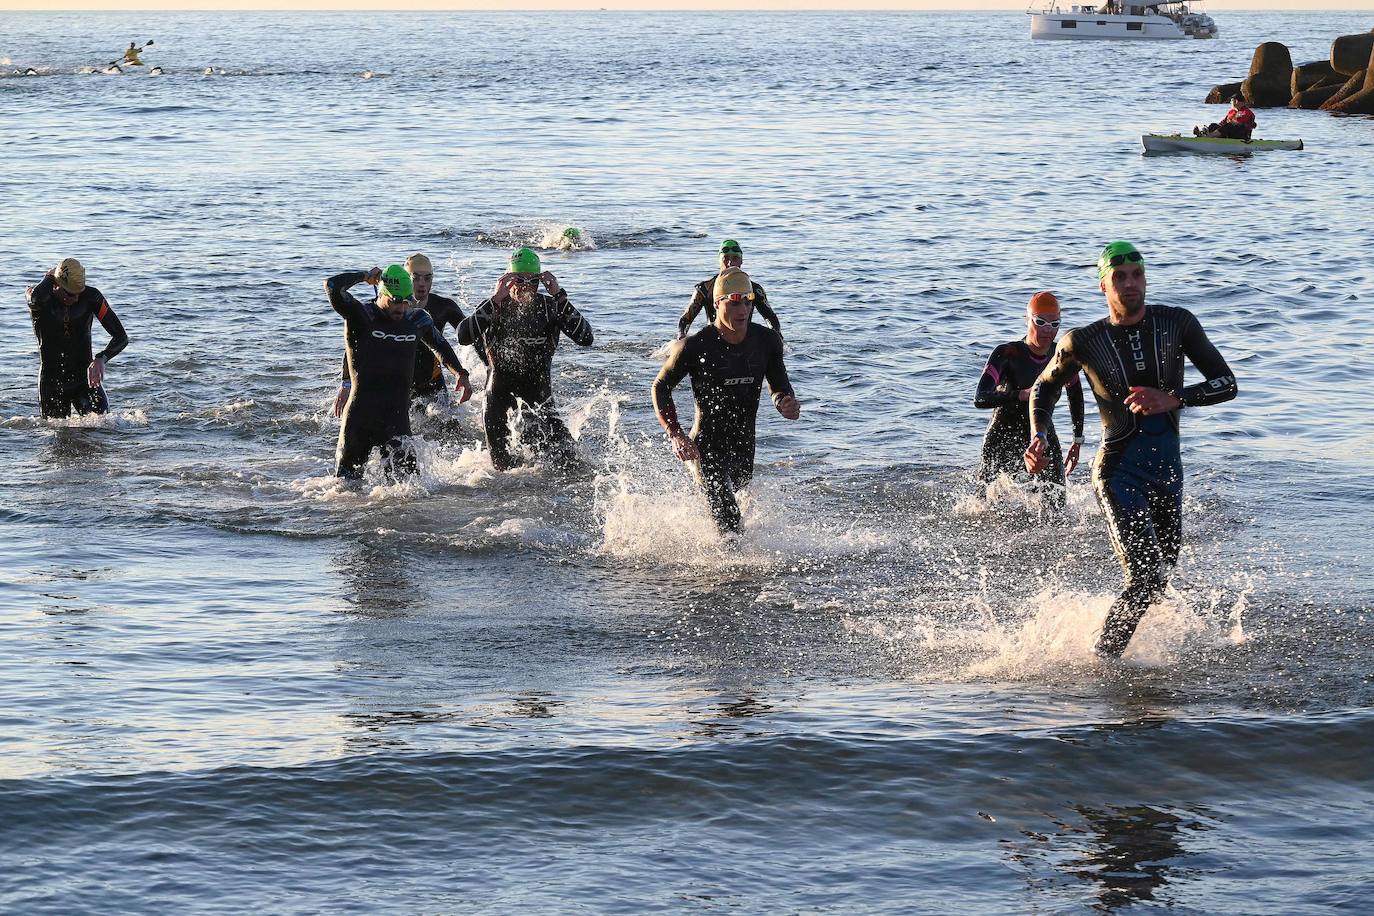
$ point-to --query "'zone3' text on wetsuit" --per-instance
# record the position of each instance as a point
(381, 361)
(518, 342)
(429, 374)
(1138, 474)
(726, 382)
(64, 347)
(1013, 368)
(703, 298)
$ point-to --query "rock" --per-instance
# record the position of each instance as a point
(1361, 102)
(1220, 95)
(1350, 53)
(1270, 83)
(1352, 86)
(1317, 73)
(1312, 99)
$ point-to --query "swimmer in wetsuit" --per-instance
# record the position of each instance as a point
(517, 331)
(382, 337)
(1133, 359)
(1005, 386)
(429, 375)
(728, 361)
(731, 257)
(62, 308)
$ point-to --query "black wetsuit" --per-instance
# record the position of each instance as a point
(1012, 368)
(429, 374)
(518, 342)
(1138, 473)
(703, 297)
(726, 381)
(381, 361)
(64, 347)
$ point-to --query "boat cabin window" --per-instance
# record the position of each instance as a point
(1068, 24)
(1135, 26)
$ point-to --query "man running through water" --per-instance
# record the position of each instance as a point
(731, 258)
(1133, 359)
(382, 337)
(62, 308)
(728, 361)
(517, 330)
(429, 374)
(1005, 387)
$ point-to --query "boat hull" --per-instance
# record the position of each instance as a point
(1071, 27)
(1176, 143)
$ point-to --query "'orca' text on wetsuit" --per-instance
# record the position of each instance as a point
(726, 382)
(429, 376)
(381, 361)
(1138, 474)
(518, 342)
(1013, 368)
(64, 347)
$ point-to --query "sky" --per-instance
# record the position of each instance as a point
(1013, 5)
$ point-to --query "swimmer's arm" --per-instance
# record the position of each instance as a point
(433, 338)
(784, 398)
(340, 299)
(990, 394)
(1047, 388)
(1075, 389)
(111, 323)
(40, 295)
(1219, 385)
(674, 371)
(571, 320)
(765, 310)
(693, 309)
(472, 330)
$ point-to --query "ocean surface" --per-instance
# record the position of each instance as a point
(233, 683)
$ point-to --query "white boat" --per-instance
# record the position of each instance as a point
(1148, 20)
(1176, 143)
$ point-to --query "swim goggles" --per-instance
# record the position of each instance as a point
(737, 297)
(1134, 257)
(1045, 322)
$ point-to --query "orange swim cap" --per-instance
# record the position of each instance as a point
(1043, 304)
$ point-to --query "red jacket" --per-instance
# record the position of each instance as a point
(1241, 116)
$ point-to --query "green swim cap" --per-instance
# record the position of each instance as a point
(1116, 254)
(396, 282)
(572, 233)
(524, 261)
(730, 246)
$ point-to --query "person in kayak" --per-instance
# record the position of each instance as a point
(428, 381)
(731, 258)
(62, 308)
(131, 57)
(1239, 123)
(517, 329)
(1004, 388)
(728, 361)
(1133, 359)
(382, 336)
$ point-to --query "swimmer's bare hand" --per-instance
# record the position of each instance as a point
(340, 400)
(502, 291)
(684, 448)
(374, 276)
(1035, 455)
(1023, 395)
(1150, 401)
(463, 388)
(789, 407)
(1071, 458)
(550, 282)
(95, 372)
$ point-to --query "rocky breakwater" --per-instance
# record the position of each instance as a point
(1343, 84)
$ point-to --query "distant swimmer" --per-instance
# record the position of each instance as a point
(382, 337)
(731, 258)
(62, 307)
(1239, 123)
(518, 329)
(1133, 359)
(429, 374)
(728, 361)
(1005, 387)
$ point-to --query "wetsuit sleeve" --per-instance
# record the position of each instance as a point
(1045, 392)
(344, 375)
(990, 393)
(111, 323)
(764, 309)
(571, 321)
(694, 307)
(472, 330)
(1075, 388)
(40, 295)
(776, 371)
(1219, 385)
(340, 299)
(673, 371)
(432, 337)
